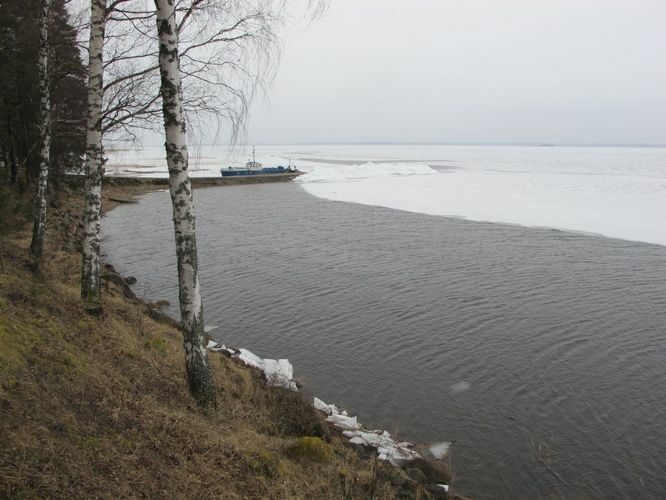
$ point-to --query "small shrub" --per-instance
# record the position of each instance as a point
(157, 343)
(313, 449)
(265, 463)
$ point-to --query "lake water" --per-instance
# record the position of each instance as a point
(540, 353)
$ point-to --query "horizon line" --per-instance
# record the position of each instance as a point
(418, 143)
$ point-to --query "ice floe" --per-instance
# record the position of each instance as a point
(460, 387)
(439, 450)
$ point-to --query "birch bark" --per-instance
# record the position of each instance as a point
(94, 169)
(191, 309)
(39, 226)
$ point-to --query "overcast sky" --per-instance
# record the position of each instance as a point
(480, 71)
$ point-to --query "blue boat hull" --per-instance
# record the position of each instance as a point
(238, 172)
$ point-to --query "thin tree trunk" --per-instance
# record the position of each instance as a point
(191, 308)
(91, 291)
(13, 169)
(6, 156)
(39, 226)
(11, 157)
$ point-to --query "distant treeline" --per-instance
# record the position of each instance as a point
(20, 96)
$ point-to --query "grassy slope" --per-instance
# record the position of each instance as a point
(98, 407)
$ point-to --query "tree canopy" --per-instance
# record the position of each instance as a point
(19, 93)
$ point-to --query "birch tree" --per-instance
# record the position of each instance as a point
(191, 309)
(228, 48)
(90, 269)
(39, 226)
(242, 44)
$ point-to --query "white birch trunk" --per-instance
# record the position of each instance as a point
(191, 309)
(39, 226)
(91, 291)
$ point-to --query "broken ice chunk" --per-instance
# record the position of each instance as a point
(251, 359)
(324, 407)
(343, 422)
(279, 373)
(439, 450)
(460, 387)
(214, 346)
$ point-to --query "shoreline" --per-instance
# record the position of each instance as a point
(119, 190)
(119, 417)
(198, 182)
(433, 457)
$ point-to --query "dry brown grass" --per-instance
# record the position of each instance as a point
(97, 407)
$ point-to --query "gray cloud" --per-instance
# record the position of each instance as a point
(473, 71)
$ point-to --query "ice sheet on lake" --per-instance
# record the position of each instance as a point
(616, 192)
(369, 170)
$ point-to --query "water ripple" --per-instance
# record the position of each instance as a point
(558, 339)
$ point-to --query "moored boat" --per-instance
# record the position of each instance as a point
(253, 167)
